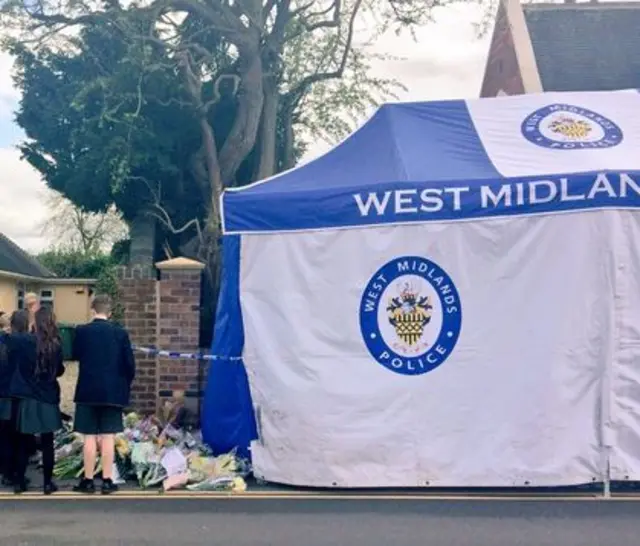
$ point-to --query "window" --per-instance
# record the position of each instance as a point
(45, 295)
(46, 298)
(21, 292)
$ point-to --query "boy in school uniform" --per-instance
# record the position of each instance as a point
(106, 369)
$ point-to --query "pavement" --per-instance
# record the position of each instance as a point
(306, 519)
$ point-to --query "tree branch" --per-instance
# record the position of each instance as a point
(334, 22)
(163, 216)
(219, 15)
(283, 16)
(294, 94)
(266, 10)
(305, 7)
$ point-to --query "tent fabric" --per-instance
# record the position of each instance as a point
(512, 400)
(454, 212)
(229, 422)
(422, 162)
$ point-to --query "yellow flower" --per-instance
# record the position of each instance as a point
(238, 485)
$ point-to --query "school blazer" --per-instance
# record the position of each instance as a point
(106, 367)
(6, 368)
(26, 382)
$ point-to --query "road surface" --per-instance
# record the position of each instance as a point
(317, 522)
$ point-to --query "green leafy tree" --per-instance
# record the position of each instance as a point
(158, 107)
(75, 263)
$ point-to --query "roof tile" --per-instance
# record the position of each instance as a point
(586, 47)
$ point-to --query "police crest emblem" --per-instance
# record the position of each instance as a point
(410, 315)
(568, 127)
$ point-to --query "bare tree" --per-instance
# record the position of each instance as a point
(74, 228)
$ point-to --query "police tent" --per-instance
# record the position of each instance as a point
(448, 298)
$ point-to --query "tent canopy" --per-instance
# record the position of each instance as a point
(547, 299)
(449, 148)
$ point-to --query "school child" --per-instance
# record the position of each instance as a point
(106, 369)
(6, 430)
(38, 361)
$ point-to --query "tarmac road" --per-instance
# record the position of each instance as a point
(317, 522)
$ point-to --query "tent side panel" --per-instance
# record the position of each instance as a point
(623, 422)
(228, 420)
(520, 326)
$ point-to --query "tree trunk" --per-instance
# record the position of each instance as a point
(288, 151)
(242, 137)
(268, 136)
(142, 231)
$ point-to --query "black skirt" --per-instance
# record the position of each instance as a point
(35, 417)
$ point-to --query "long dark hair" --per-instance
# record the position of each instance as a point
(47, 342)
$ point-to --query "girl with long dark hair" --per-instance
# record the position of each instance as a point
(39, 364)
(6, 430)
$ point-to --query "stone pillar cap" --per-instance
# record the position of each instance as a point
(180, 264)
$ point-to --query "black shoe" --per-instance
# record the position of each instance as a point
(50, 488)
(108, 487)
(85, 486)
(20, 487)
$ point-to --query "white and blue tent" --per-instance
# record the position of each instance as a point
(450, 297)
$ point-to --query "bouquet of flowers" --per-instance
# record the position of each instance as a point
(154, 452)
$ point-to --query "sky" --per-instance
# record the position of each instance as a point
(446, 61)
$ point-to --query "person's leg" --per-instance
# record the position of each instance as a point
(110, 425)
(5, 449)
(7, 452)
(107, 453)
(85, 424)
(48, 456)
(90, 456)
(22, 444)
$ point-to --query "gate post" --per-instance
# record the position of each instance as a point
(179, 329)
(138, 296)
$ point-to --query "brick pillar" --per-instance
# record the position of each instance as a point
(137, 291)
(179, 328)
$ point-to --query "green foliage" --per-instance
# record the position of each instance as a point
(111, 108)
(120, 110)
(107, 283)
(86, 120)
(120, 251)
(75, 263)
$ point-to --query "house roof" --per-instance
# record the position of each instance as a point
(586, 47)
(15, 260)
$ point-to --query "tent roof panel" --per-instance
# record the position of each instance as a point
(450, 160)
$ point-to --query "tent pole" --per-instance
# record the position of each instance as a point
(606, 490)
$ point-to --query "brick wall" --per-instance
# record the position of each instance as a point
(502, 74)
(165, 314)
(137, 287)
(179, 331)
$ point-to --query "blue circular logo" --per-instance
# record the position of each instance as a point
(410, 315)
(567, 127)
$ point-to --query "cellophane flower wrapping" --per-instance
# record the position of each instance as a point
(153, 454)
